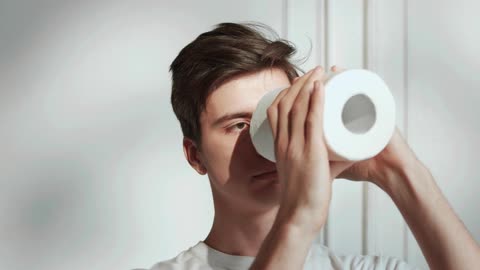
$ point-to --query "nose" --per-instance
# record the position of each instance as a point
(250, 147)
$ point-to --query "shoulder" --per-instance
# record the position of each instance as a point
(184, 260)
(374, 262)
(378, 262)
(172, 264)
(360, 262)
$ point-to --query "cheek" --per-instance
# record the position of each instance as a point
(218, 155)
(243, 157)
(228, 156)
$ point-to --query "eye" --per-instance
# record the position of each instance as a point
(238, 126)
(241, 125)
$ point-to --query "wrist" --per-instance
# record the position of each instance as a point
(406, 179)
(307, 221)
(285, 247)
(299, 233)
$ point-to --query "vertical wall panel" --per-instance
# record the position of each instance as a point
(345, 227)
(443, 98)
(302, 30)
(385, 54)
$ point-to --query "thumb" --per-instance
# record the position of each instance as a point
(337, 167)
(337, 69)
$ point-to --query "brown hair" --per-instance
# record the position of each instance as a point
(214, 57)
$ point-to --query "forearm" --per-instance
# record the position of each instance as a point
(441, 235)
(285, 247)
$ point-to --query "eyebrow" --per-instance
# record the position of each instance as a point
(230, 116)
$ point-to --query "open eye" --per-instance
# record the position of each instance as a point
(239, 126)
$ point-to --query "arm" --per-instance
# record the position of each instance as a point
(285, 247)
(441, 235)
(304, 172)
(443, 238)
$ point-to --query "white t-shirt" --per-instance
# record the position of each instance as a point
(203, 257)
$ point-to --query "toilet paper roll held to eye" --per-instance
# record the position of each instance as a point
(359, 117)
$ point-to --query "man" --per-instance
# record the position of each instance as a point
(267, 214)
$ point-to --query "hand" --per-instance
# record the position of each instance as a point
(303, 166)
(394, 159)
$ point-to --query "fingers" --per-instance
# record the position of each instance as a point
(272, 113)
(272, 110)
(314, 120)
(289, 111)
(337, 69)
(300, 108)
(285, 104)
(297, 116)
(318, 75)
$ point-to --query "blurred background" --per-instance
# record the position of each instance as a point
(92, 171)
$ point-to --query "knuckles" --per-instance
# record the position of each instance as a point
(296, 109)
(271, 112)
(288, 152)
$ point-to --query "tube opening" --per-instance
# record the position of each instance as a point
(358, 114)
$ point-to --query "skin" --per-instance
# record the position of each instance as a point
(277, 218)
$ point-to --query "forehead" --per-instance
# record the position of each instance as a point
(243, 93)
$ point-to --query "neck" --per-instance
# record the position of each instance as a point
(240, 234)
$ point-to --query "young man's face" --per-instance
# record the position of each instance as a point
(228, 154)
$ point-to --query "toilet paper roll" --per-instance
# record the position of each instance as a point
(359, 117)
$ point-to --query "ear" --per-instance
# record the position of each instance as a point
(191, 152)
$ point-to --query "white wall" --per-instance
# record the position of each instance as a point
(91, 166)
(444, 93)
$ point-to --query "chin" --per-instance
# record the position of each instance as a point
(266, 193)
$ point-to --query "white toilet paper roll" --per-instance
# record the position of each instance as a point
(359, 117)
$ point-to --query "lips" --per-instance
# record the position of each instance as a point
(266, 175)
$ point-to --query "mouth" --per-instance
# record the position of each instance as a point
(266, 176)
